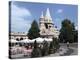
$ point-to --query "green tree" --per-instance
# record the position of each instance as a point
(45, 48)
(67, 31)
(33, 31)
(56, 43)
(51, 48)
(36, 51)
(54, 46)
(76, 36)
(35, 44)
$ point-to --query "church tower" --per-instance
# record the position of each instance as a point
(48, 20)
(46, 26)
(41, 22)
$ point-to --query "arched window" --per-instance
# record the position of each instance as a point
(46, 25)
(17, 39)
(21, 38)
(49, 26)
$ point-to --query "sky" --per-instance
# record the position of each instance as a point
(23, 13)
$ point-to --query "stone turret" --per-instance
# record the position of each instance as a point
(41, 22)
(42, 15)
(48, 18)
(48, 13)
(46, 26)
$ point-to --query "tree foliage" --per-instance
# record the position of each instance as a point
(36, 51)
(45, 48)
(33, 31)
(56, 43)
(54, 46)
(67, 31)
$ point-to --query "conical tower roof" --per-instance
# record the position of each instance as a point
(48, 18)
(48, 13)
(42, 15)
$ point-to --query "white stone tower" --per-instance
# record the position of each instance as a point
(46, 26)
(41, 22)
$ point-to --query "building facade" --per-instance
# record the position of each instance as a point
(46, 25)
(18, 35)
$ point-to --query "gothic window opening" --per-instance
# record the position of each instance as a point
(49, 26)
(46, 25)
(21, 38)
(17, 39)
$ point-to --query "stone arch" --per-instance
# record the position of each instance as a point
(17, 39)
(21, 38)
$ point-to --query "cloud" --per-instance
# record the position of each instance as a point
(18, 21)
(59, 10)
(18, 11)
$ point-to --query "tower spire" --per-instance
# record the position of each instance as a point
(42, 15)
(48, 13)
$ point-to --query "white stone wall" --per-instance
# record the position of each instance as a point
(50, 31)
